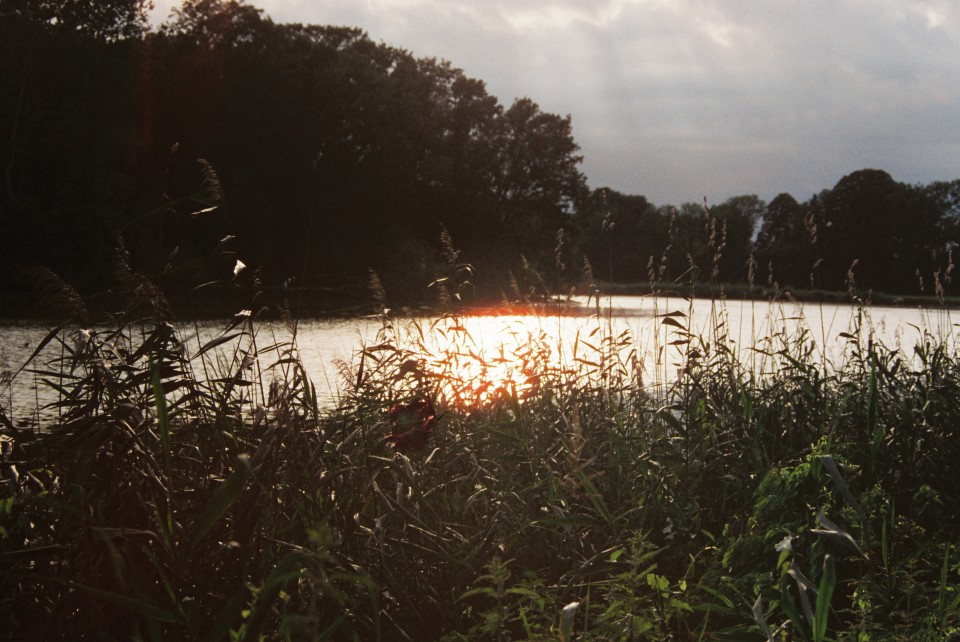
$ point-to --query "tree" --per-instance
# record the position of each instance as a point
(537, 183)
(68, 107)
(946, 195)
(620, 234)
(892, 230)
(212, 23)
(335, 153)
(784, 245)
(538, 163)
(733, 223)
(107, 20)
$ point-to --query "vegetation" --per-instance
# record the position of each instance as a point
(189, 491)
(897, 239)
(188, 488)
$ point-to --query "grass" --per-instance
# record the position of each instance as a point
(189, 491)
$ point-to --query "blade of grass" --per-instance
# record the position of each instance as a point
(824, 595)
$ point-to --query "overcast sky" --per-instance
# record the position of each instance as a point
(684, 99)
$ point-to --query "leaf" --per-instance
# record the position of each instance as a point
(827, 584)
(481, 590)
(226, 494)
(672, 322)
(761, 619)
(40, 346)
(6, 423)
(841, 485)
(213, 343)
(790, 608)
(834, 533)
(163, 417)
(803, 585)
(567, 617)
(230, 615)
(595, 498)
(802, 580)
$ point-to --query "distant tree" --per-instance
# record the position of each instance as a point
(621, 234)
(732, 226)
(687, 257)
(101, 19)
(538, 163)
(538, 182)
(784, 245)
(946, 195)
(893, 230)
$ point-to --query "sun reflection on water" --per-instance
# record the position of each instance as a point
(473, 361)
(477, 360)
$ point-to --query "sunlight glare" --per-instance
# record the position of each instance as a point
(477, 360)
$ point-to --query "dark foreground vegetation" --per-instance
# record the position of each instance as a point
(201, 492)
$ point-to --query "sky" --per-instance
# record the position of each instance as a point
(681, 100)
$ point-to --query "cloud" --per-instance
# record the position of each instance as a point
(676, 99)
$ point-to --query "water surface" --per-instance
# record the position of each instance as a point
(492, 350)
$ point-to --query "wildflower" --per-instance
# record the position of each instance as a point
(412, 424)
(786, 544)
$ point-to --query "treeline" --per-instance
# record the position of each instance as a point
(324, 153)
(319, 154)
(869, 232)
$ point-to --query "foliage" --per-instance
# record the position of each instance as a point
(332, 147)
(200, 491)
(869, 232)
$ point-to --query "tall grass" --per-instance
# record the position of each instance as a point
(193, 490)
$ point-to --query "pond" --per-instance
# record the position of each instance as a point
(497, 350)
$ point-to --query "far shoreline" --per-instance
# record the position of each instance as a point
(277, 304)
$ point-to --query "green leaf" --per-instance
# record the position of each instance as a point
(841, 485)
(761, 619)
(824, 594)
(482, 590)
(596, 498)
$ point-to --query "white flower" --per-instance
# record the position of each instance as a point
(786, 544)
